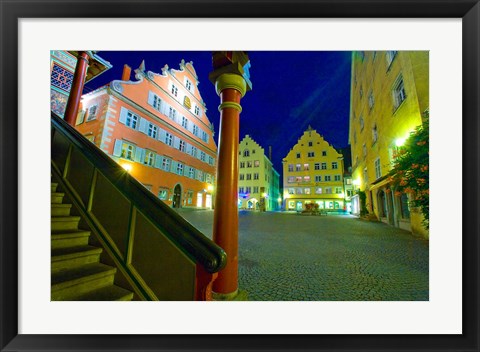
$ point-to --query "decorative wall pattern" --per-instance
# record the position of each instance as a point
(58, 102)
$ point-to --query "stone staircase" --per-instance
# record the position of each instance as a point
(77, 274)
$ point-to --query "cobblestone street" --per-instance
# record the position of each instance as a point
(289, 257)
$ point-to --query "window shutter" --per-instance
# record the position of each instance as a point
(150, 97)
(138, 155)
(176, 142)
(188, 148)
(161, 134)
(117, 149)
(80, 117)
(123, 115)
(165, 108)
(190, 126)
(143, 125)
(173, 166)
(158, 161)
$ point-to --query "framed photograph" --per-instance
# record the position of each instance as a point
(433, 307)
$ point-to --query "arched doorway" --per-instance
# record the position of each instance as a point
(177, 196)
(382, 204)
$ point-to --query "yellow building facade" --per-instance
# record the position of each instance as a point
(258, 184)
(313, 173)
(389, 97)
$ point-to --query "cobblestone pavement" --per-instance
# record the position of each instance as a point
(290, 257)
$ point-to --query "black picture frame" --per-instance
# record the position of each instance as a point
(12, 11)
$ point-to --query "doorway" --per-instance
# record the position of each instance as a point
(177, 196)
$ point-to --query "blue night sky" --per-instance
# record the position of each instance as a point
(291, 90)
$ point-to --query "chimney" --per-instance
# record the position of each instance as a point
(127, 70)
(270, 152)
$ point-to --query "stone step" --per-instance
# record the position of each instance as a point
(62, 223)
(70, 239)
(109, 293)
(70, 257)
(54, 187)
(57, 197)
(70, 283)
(61, 209)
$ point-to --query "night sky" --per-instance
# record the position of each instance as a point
(291, 90)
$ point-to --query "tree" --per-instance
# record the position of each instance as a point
(410, 169)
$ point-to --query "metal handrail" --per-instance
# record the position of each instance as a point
(189, 240)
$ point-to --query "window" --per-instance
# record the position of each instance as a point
(398, 91)
(307, 190)
(337, 178)
(163, 194)
(298, 179)
(378, 168)
(246, 152)
(299, 190)
(365, 175)
(188, 84)
(152, 130)
(210, 160)
(249, 176)
(328, 178)
(349, 193)
(242, 177)
(128, 151)
(248, 189)
(61, 78)
(172, 113)
(191, 172)
(204, 136)
(318, 190)
(184, 122)
(179, 169)
(390, 55)
(291, 179)
(249, 164)
(256, 163)
(92, 113)
(362, 123)
(242, 164)
(338, 190)
(328, 190)
(149, 158)
(197, 110)
(324, 166)
(181, 146)
(371, 100)
(194, 151)
(334, 165)
(255, 189)
(306, 167)
(298, 167)
(348, 181)
(174, 90)
(156, 102)
(298, 155)
(291, 191)
(311, 154)
(317, 166)
(195, 130)
(202, 156)
(374, 134)
(166, 164)
(324, 153)
(253, 151)
(404, 206)
(200, 176)
(241, 190)
(189, 197)
(256, 176)
(306, 178)
(168, 139)
(131, 120)
(310, 144)
(318, 178)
